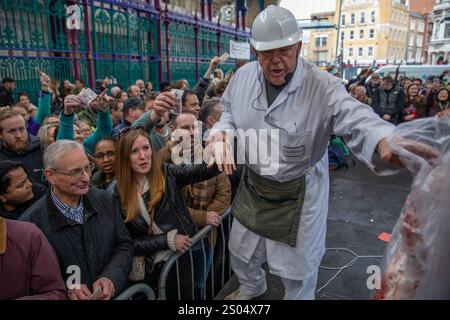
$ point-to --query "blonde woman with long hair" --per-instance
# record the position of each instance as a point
(154, 211)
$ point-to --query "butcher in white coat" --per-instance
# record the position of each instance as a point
(281, 208)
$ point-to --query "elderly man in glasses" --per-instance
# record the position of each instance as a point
(83, 224)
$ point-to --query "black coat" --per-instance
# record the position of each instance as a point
(30, 158)
(6, 97)
(38, 192)
(394, 104)
(101, 247)
(98, 180)
(171, 212)
(124, 123)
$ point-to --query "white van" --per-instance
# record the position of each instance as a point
(416, 71)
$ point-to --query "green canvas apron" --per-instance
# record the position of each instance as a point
(269, 208)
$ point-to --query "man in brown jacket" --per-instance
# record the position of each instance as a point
(209, 199)
(206, 202)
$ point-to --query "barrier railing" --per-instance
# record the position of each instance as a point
(200, 236)
(137, 288)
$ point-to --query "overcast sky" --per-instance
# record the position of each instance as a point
(302, 9)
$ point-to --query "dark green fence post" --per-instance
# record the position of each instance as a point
(197, 58)
(89, 44)
(158, 27)
(167, 22)
(218, 38)
(73, 44)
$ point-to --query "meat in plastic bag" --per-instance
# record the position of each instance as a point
(416, 264)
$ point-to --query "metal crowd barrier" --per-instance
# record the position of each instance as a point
(137, 288)
(199, 236)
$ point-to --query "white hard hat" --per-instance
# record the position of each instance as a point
(273, 28)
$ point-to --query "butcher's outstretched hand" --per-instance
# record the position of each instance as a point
(418, 148)
(221, 152)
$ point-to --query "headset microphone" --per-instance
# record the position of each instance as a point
(289, 76)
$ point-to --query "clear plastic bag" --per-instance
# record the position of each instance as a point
(416, 264)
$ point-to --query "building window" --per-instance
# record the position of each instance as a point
(447, 31)
(342, 36)
(437, 30)
(372, 17)
(370, 52)
(352, 18)
(323, 56)
(419, 41)
(350, 52)
(371, 33)
(352, 33)
(360, 52)
(343, 19)
(421, 27)
(411, 40)
(361, 34)
(321, 41)
(362, 18)
(412, 26)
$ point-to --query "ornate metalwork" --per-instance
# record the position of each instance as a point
(122, 38)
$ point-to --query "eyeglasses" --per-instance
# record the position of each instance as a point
(78, 173)
(125, 131)
(101, 156)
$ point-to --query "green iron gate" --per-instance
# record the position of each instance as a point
(123, 39)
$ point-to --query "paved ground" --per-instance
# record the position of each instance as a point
(362, 205)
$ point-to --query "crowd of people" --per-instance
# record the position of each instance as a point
(93, 201)
(98, 184)
(403, 99)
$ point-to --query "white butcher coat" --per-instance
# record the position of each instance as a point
(311, 107)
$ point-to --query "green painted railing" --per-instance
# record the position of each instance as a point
(116, 38)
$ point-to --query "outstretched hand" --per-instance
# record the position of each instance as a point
(45, 81)
(221, 152)
(104, 101)
(164, 102)
(71, 103)
(420, 149)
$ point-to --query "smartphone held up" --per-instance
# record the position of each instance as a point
(86, 96)
(178, 101)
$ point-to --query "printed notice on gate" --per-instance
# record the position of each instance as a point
(239, 50)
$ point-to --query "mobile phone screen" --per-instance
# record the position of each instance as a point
(178, 99)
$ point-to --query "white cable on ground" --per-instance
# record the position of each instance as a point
(346, 266)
